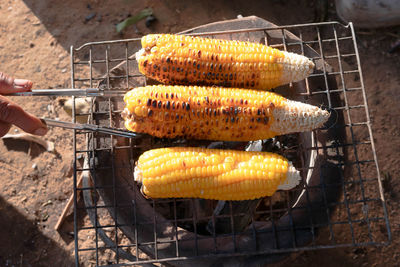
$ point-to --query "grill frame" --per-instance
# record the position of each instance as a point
(112, 240)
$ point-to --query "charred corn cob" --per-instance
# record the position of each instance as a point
(213, 173)
(216, 113)
(179, 59)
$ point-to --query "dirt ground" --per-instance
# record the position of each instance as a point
(35, 184)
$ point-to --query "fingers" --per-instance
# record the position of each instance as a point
(11, 113)
(4, 128)
(10, 85)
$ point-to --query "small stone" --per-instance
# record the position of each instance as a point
(90, 16)
(64, 70)
(34, 166)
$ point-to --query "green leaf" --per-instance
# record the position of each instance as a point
(134, 19)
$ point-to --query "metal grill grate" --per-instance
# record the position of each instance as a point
(339, 203)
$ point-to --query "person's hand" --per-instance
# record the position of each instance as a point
(11, 113)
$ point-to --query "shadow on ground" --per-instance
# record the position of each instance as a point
(30, 246)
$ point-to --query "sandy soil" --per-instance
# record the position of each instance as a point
(35, 184)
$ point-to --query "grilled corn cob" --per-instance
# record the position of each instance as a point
(216, 113)
(179, 59)
(213, 173)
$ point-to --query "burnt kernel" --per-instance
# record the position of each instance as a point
(199, 53)
(194, 72)
(247, 84)
(165, 69)
(145, 63)
(154, 103)
(168, 60)
(207, 99)
(172, 95)
(223, 111)
(212, 56)
(252, 120)
(231, 110)
(198, 102)
(150, 113)
(258, 119)
(215, 113)
(230, 76)
(232, 119)
(156, 94)
(166, 95)
(155, 66)
(266, 120)
(178, 69)
(173, 105)
(149, 102)
(177, 117)
(183, 105)
(206, 111)
(226, 120)
(216, 57)
(236, 110)
(226, 76)
(173, 68)
(241, 101)
(159, 104)
(252, 84)
(198, 66)
(220, 67)
(253, 76)
(258, 112)
(187, 106)
(241, 84)
(245, 102)
(217, 76)
(194, 63)
(209, 75)
(168, 105)
(211, 65)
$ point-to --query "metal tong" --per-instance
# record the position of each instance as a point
(89, 92)
(90, 127)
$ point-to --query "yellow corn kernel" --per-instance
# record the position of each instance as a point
(241, 181)
(219, 62)
(216, 113)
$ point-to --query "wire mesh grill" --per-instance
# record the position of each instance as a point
(343, 206)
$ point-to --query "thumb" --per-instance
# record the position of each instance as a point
(11, 113)
(11, 85)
